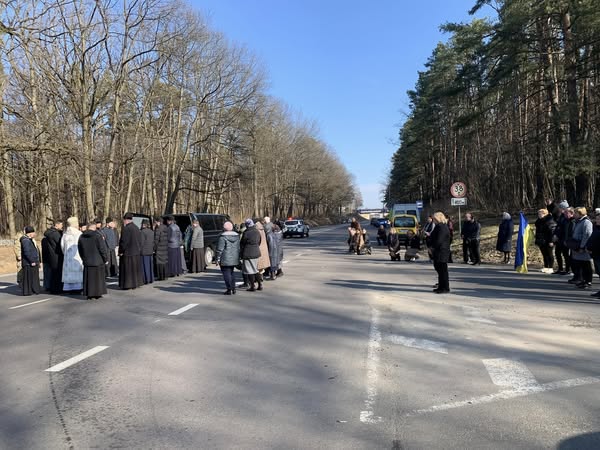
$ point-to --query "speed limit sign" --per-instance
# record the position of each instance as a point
(458, 189)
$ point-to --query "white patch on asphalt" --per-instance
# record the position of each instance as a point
(508, 394)
(367, 415)
(7, 286)
(423, 344)
(74, 360)
(239, 283)
(474, 315)
(112, 283)
(300, 254)
(510, 373)
(31, 303)
(184, 309)
(285, 261)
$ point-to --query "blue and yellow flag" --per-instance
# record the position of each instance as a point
(525, 237)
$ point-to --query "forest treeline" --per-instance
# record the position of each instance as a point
(509, 105)
(109, 106)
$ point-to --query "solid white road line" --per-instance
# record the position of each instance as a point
(474, 315)
(508, 394)
(32, 303)
(182, 310)
(510, 373)
(423, 344)
(76, 359)
(367, 415)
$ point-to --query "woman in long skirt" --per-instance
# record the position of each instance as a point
(31, 263)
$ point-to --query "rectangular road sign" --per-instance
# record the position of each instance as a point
(458, 201)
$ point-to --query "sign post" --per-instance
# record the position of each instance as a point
(458, 191)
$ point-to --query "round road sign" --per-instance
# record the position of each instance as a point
(458, 189)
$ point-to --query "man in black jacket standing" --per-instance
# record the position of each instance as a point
(111, 237)
(94, 254)
(31, 263)
(130, 245)
(52, 257)
(471, 234)
(440, 252)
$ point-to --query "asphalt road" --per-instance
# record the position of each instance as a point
(343, 352)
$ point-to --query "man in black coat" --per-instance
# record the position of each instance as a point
(161, 249)
(471, 234)
(52, 257)
(31, 263)
(94, 254)
(130, 245)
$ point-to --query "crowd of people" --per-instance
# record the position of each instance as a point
(80, 258)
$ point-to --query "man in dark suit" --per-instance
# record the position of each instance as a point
(94, 254)
(130, 246)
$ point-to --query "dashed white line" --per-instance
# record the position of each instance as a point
(508, 394)
(182, 310)
(510, 373)
(367, 416)
(423, 344)
(31, 303)
(74, 360)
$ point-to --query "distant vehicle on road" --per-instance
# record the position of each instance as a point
(378, 221)
(295, 227)
(413, 209)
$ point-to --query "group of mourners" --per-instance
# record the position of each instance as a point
(80, 259)
(567, 236)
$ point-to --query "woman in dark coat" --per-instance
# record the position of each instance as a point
(161, 249)
(273, 244)
(544, 238)
(147, 252)
(130, 245)
(30, 259)
(94, 254)
(175, 267)
(505, 234)
(249, 254)
(440, 249)
(197, 248)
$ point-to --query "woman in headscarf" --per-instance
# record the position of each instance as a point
(250, 253)
(72, 275)
(264, 262)
(228, 255)
(505, 234)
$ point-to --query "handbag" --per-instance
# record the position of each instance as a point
(573, 244)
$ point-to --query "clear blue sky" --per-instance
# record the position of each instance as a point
(346, 64)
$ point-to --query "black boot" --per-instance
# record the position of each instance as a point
(251, 283)
(259, 278)
(280, 273)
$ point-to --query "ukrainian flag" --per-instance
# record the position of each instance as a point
(524, 239)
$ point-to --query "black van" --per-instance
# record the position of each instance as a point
(212, 224)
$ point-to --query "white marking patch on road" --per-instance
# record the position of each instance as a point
(510, 373)
(184, 309)
(508, 394)
(29, 304)
(367, 416)
(299, 254)
(285, 261)
(423, 344)
(7, 286)
(74, 360)
(474, 315)
(112, 283)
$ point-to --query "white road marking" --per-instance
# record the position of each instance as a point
(112, 283)
(510, 373)
(300, 254)
(474, 315)
(239, 283)
(184, 309)
(285, 261)
(367, 415)
(69, 362)
(423, 344)
(32, 303)
(157, 320)
(508, 394)
(7, 286)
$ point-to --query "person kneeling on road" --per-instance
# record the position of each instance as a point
(413, 245)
